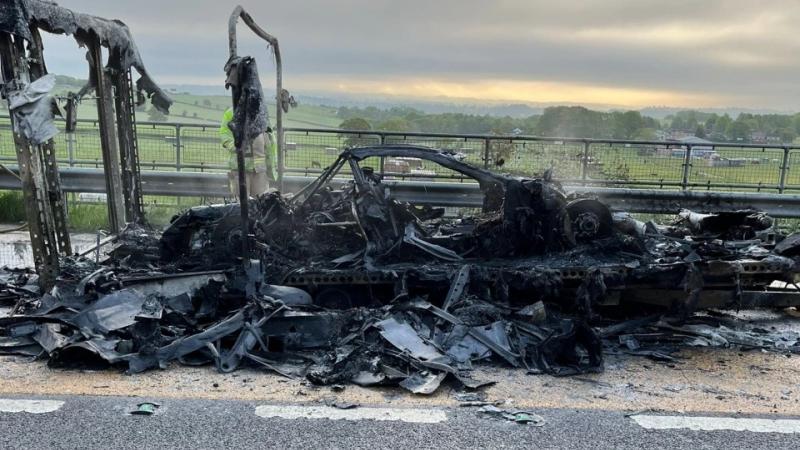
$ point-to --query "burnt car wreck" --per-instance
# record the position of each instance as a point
(346, 283)
(347, 280)
(530, 241)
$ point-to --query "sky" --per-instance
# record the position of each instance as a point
(620, 53)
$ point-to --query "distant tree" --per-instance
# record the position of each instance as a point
(700, 131)
(646, 134)
(678, 123)
(154, 115)
(207, 102)
(710, 123)
(627, 124)
(184, 113)
(194, 115)
(395, 124)
(787, 135)
(721, 126)
(691, 120)
(196, 102)
(573, 121)
(356, 124)
(570, 121)
(739, 130)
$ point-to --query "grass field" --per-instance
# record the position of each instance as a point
(207, 110)
(201, 150)
(85, 216)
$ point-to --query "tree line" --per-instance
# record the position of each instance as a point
(580, 122)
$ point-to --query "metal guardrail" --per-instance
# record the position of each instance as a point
(448, 194)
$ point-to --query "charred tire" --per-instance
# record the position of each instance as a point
(589, 220)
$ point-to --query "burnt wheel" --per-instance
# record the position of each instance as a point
(589, 220)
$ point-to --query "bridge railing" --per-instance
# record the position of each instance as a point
(185, 147)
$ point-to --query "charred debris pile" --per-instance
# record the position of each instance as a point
(414, 301)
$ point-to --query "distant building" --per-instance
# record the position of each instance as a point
(676, 135)
(701, 148)
(718, 161)
(758, 137)
(697, 143)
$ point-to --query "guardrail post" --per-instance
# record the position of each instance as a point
(487, 146)
(71, 149)
(382, 163)
(178, 147)
(784, 170)
(382, 141)
(687, 164)
(585, 161)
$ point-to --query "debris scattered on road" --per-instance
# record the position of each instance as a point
(517, 416)
(473, 399)
(145, 409)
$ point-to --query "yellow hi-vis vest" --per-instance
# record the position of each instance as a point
(271, 153)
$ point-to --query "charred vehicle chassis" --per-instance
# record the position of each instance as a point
(345, 240)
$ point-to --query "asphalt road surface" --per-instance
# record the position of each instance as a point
(106, 422)
(706, 398)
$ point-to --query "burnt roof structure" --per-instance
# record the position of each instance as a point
(26, 86)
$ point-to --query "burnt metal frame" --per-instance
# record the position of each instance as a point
(118, 142)
(491, 184)
(239, 12)
(45, 205)
(485, 178)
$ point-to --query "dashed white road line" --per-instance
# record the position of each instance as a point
(364, 413)
(787, 426)
(11, 405)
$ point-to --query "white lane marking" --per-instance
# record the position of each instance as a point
(327, 412)
(718, 423)
(11, 405)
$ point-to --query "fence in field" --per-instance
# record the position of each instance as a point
(590, 162)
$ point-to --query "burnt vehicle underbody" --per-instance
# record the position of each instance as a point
(345, 283)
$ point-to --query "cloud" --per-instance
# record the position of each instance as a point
(504, 90)
(643, 52)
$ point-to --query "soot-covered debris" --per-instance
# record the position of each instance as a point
(351, 283)
(100, 316)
